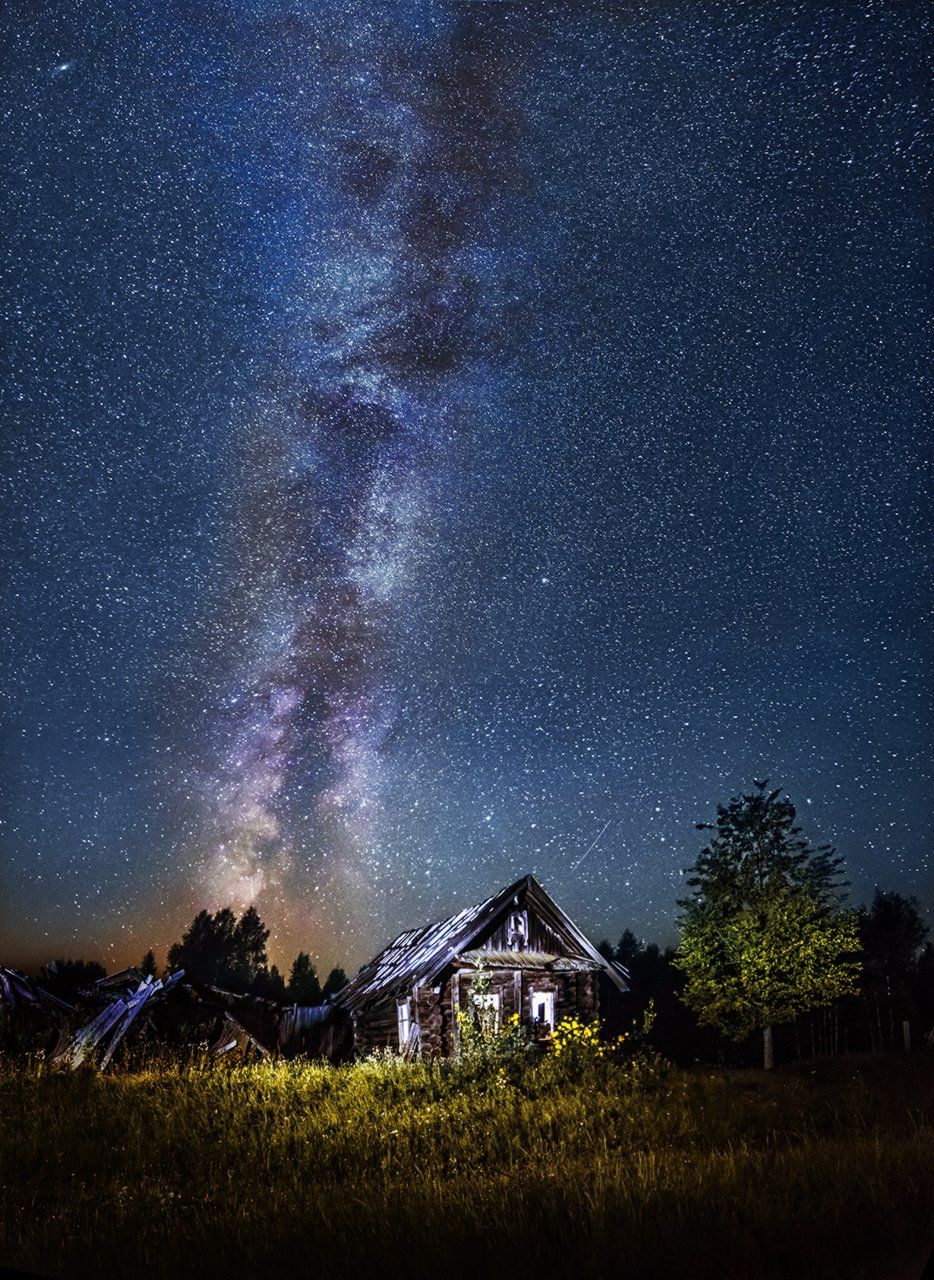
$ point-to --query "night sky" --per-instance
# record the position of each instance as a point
(441, 436)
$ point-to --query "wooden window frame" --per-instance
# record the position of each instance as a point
(549, 995)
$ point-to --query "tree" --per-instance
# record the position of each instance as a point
(764, 937)
(304, 987)
(923, 989)
(270, 984)
(606, 950)
(148, 965)
(219, 950)
(892, 933)
(336, 980)
(250, 937)
(628, 949)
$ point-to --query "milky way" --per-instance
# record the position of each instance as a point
(445, 441)
(369, 398)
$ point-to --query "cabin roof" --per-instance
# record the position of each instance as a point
(418, 956)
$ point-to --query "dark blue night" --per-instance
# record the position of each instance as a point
(456, 445)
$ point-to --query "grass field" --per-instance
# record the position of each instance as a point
(384, 1169)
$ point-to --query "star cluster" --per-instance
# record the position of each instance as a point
(452, 440)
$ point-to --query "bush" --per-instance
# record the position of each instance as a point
(487, 1050)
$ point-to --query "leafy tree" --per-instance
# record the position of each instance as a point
(764, 937)
(335, 981)
(148, 965)
(304, 987)
(66, 978)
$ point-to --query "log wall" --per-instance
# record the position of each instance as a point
(436, 1008)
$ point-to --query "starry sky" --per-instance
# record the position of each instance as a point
(443, 441)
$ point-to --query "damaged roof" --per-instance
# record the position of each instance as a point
(418, 956)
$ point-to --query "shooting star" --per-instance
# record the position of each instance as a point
(592, 845)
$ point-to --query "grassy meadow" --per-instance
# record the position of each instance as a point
(388, 1168)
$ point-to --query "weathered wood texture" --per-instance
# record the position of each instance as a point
(430, 1029)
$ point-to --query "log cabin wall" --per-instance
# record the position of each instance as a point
(576, 994)
(377, 1028)
(430, 1022)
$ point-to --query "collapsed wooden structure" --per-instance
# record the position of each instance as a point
(537, 963)
(105, 1032)
(240, 1026)
(18, 992)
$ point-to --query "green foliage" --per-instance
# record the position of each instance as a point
(486, 1047)
(757, 844)
(579, 1053)
(763, 938)
(773, 959)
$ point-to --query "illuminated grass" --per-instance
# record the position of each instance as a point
(390, 1169)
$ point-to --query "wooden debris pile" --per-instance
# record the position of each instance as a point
(122, 1009)
(17, 992)
(130, 1003)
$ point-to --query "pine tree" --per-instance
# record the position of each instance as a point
(250, 937)
(336, 980)
(270, 984)
(148, 965)
(304, 987)
(892, 933)
(628, 949)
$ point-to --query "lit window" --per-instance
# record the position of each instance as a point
(406, 1026)
(489, 1001)
(543, 1008)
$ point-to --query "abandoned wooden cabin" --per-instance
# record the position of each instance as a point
(538, 963)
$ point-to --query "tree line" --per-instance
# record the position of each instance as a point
(216, 950)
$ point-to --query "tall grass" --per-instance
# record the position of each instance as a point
(390, 1168)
